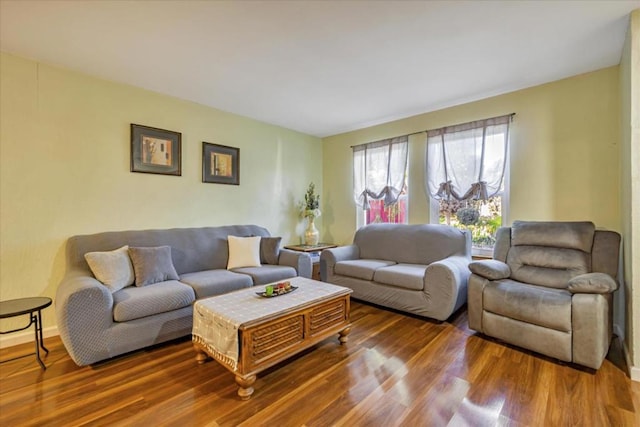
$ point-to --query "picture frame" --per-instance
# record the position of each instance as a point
(220, 164)
(154, 150)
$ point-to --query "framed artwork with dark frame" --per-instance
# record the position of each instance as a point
(155, 150)
(220, 164)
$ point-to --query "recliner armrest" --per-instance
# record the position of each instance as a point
(592, 283)
(490, 269)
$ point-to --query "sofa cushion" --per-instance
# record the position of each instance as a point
(243, 252)
(215, 282)
(267, 273)
(361, 268)
(408, 276)
(152, 265)
(136, 302)
(538, 305)
(112, 268)
(269, 250)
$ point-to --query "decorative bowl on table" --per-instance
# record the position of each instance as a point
(277, 289)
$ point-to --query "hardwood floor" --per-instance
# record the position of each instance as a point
(396, 370)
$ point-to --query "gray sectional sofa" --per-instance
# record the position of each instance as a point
(96, 323)
(420, 269)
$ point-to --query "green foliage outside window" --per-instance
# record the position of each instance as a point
(481, 217)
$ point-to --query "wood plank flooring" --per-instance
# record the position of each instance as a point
(396, 370)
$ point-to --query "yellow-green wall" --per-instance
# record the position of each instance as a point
(630, 184)
(64, 170)
(564, 154)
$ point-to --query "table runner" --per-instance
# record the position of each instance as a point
(216, 320)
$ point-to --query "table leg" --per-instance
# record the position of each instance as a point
(41, 339)
(201, 356)
(38, 324)
(343, 335)
(245, 391)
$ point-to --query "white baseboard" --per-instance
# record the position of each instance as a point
(634, 371)
(26, 336)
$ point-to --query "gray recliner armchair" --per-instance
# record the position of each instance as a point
(548, 289)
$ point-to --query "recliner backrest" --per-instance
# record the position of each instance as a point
(550, 253)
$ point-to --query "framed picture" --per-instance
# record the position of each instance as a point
(220, 164)
(156, 150)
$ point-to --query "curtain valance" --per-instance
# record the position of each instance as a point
(467, 161)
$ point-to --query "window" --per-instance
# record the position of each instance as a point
(380, 181)
(465, 178)
(378, 212)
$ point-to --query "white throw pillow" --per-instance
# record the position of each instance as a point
(243, 252)
(113, 269)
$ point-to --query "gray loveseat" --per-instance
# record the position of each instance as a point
(420, 269)
(549, 289)
(96, 324)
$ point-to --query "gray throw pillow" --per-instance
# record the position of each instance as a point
(269, 250)
(152, 265)
(113, 269)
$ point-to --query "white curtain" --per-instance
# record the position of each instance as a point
(467, 161)
(379, 170)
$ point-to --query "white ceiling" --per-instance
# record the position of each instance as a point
(321, 67)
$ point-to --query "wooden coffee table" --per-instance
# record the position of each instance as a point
(310, 314)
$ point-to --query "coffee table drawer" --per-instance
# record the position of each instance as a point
(265, 343)
(275, 337)
(328, 315)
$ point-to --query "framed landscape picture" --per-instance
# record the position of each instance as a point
(156, 150)
(220, 164)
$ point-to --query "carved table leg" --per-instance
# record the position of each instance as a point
(201, 356)
(245, 391)
(343, 335)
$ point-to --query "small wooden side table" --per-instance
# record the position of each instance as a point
(314, 251)
(32, 307)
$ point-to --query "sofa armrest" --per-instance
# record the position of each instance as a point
(299, 260)
(592, 283)
(329, 258)
(490, 269)
(445, 281)
(84, 312)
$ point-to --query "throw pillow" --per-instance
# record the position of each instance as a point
(269, 250)
(243, 252)
(152, 265)
(113, 269)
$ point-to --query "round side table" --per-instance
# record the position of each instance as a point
(32, 307)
